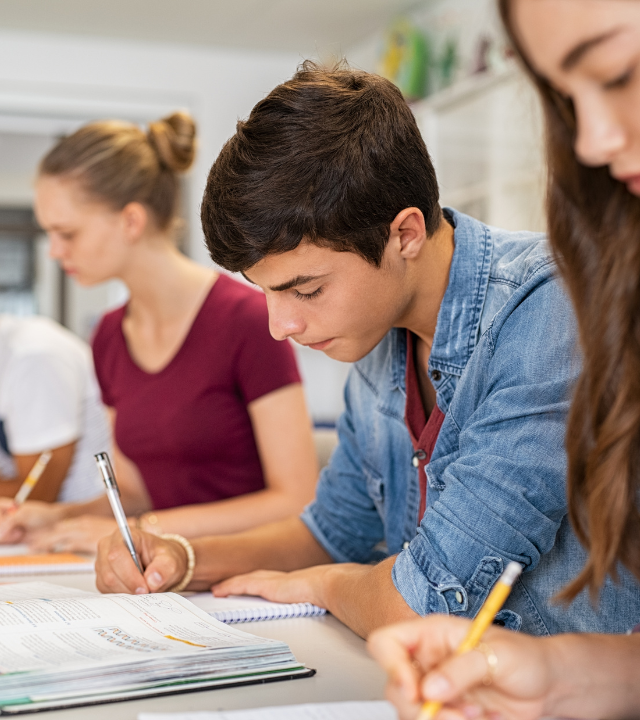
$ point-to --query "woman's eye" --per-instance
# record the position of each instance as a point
(620, 81)
(308, 296)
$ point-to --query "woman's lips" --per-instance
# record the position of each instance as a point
(632, 182)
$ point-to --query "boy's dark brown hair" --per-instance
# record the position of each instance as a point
(331, 156)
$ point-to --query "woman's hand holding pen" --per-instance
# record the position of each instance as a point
(419, 659)
(164, 562)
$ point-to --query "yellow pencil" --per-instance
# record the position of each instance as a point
(32, 478)
(484, 618)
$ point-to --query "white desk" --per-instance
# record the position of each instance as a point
(344, 670)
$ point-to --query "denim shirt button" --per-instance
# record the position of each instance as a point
(459, 597)
(417, 456)
(436, 375)
(405, 544)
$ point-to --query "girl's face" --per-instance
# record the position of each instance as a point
(589, 50)
(87, 238)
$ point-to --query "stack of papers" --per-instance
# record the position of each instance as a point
(61, 647)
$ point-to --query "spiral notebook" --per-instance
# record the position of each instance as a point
(239, 609)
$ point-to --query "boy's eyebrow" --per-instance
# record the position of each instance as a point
(573, 57)
(299, 280)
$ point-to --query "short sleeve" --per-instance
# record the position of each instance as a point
(100, 347)
(262, 363)
(42, 403)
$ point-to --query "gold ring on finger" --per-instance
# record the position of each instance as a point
(492, 662)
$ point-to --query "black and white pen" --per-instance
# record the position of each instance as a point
(113, 493)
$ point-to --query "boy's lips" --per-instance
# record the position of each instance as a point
(319, 345)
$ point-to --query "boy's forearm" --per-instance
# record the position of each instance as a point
(284, 545)
(595, 676)
(364, 597)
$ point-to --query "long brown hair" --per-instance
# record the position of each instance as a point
(594, 229)
(118, 163)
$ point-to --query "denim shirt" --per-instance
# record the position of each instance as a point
(503, 363)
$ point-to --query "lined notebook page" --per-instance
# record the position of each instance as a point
(375, 710)
(243, 608)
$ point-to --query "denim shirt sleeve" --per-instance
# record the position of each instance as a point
(502, 497)
(343, 518)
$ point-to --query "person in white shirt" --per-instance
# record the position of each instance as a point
(49, 400)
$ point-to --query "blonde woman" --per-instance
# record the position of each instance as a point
(210, 425)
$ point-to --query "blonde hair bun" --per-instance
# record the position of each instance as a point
(174, 140)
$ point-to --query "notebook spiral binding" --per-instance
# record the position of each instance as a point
(281, 612)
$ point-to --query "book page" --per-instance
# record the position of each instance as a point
(35, 590)
(92, 630)
(373, 710)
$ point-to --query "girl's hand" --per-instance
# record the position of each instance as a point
(80, 534)
(164, 561)
(17, 523)
(419, 659)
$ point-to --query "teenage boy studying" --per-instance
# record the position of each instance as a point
(451, 459)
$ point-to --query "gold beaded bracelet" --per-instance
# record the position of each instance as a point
(191, 560)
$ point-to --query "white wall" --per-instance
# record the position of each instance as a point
(76, 79)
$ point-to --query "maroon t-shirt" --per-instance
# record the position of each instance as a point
(422, 430)
(186, 427)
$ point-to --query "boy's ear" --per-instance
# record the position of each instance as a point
(409, 232)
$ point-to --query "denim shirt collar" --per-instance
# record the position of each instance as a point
(461, 308)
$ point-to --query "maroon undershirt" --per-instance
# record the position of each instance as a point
(422, 430)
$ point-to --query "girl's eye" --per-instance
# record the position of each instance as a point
(620, 81)
(308, 296)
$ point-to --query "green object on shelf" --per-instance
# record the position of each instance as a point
(405, 59)
(448, 63)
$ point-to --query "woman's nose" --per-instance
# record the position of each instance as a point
(56, 248)
(600, 133)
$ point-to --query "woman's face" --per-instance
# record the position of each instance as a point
(87, 238)
(589, 50)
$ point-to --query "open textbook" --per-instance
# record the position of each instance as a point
(61, 647)
(240, 609)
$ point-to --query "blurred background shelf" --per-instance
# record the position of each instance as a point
(485, 139)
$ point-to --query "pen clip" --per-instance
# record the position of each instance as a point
(106, 470)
